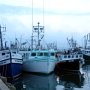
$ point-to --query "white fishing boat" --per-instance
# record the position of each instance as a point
(41, 61)
(38, 59)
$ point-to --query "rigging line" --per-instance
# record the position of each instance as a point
(43, 18)
(32, 28)
(43, 12)
(32, 15)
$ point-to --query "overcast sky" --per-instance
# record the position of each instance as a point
(62, 19)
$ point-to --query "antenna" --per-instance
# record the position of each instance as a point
(43, 17)
(43, 12)
(85, 41)
(1, 42)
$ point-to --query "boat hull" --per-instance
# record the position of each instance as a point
(39, 66)
(66, 66)
(11, 70)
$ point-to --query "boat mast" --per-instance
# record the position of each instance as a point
(37, 31)
(87, 41)
(1, 41)
(40, 34)
(72, 43)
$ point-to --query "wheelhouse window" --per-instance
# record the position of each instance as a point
(39, 54)
(3, 53)
(69, 56)
(46, 54)
(14, 52)
(52, 54)
(33, 54)
(65, 56)
(72, 56)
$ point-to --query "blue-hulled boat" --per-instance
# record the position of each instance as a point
(10, 61)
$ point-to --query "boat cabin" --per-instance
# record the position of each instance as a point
(39, 53)
(70, 57)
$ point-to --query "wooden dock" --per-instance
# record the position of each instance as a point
(4, 85)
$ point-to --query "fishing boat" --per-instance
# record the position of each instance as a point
(69, 60)
(10, 61)
(39, 59)
(86, 49)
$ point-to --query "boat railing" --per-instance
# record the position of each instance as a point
(70, 56)
(87, 52)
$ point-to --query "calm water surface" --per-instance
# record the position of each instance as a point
(68, 81)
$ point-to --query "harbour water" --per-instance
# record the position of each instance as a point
(68, 81)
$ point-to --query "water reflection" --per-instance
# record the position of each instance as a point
(37, 82)
(70, 81)
(86, 69)
(50, 82)
(58, 81)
